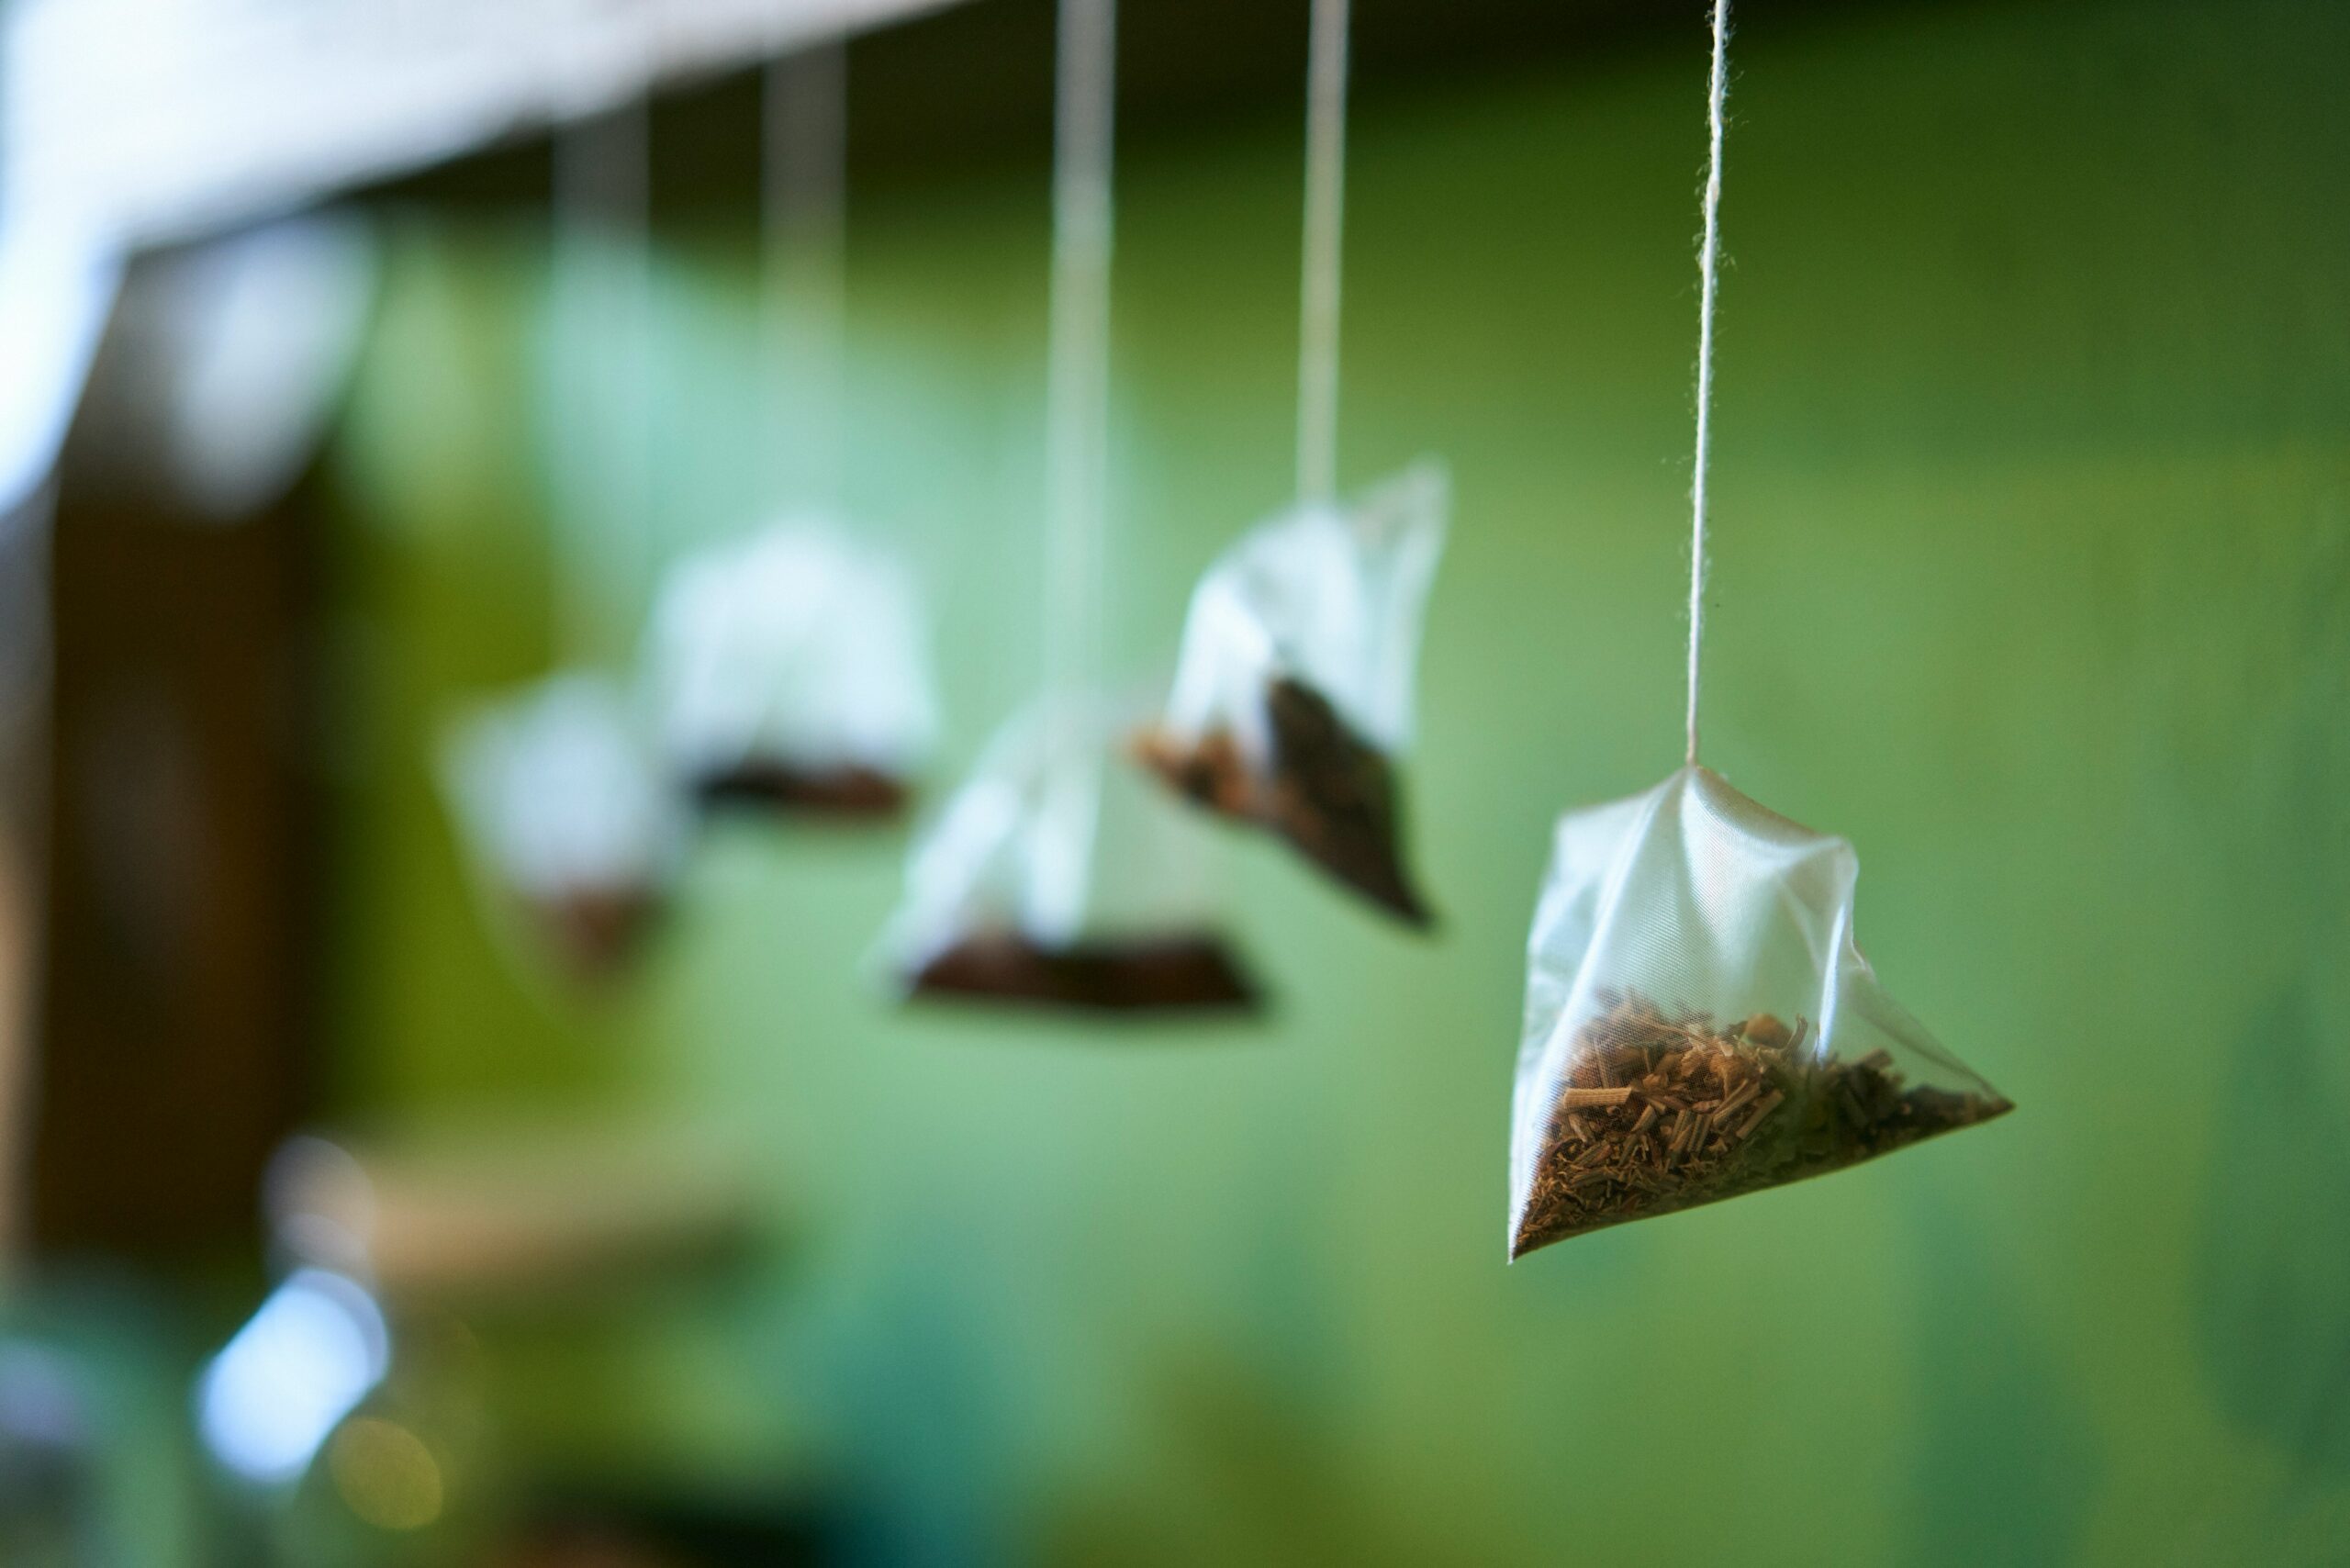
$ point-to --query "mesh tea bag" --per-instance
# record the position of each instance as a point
(1292, 696)
(566, 816)
(789, 670)
(1051, 877)
(1699, 1023)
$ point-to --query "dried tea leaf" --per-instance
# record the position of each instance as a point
(1158, 974)
(1331, 794)
(1715, 1112)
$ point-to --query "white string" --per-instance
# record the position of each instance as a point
(1325, 194)
(1709, 269)
(1078, 372)
(803, 203)
(602, 278)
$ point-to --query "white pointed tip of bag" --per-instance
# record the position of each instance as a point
(1700, 1022)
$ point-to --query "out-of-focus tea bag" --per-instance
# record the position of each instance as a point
(571, 831)
(789, 670)
(1053, 877)
(1292, 703)
(1292, 697)
(567, 818)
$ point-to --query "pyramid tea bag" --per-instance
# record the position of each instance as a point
(1293, 695)
(1054, 877)
(1293, 699)
(566, 817)
(1699, 1023)
(789, 670)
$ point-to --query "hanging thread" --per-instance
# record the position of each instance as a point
(602, 278)
(1708, 270)
(803, 199)
(1325, 196)
(1078, 372)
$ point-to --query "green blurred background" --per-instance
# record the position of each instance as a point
(2032, 575)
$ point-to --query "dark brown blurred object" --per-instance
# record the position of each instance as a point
(1165, 974)
(850, 794)
(24, 642)
(180, 931)
(1328, 792)
(595, 932)
(581, 1547)
(593, 1533)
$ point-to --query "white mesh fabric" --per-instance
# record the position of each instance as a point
(1703, 902)
(1331, 594)
(798, 645)
(1048, 838)
(554, 793)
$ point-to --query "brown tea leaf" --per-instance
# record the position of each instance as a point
(1331, 794)
(1712, 1113)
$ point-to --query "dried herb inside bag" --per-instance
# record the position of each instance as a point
(1661, 1113)
(1781, 1056)
(1053, 879)
(1331, 795)
(1291, 705)
(845, 791)
(1134, 975)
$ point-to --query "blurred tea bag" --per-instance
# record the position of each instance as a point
(1699, 1023)
(1292, 699)
(790, 670)
(566, 817)
(1054, 877)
